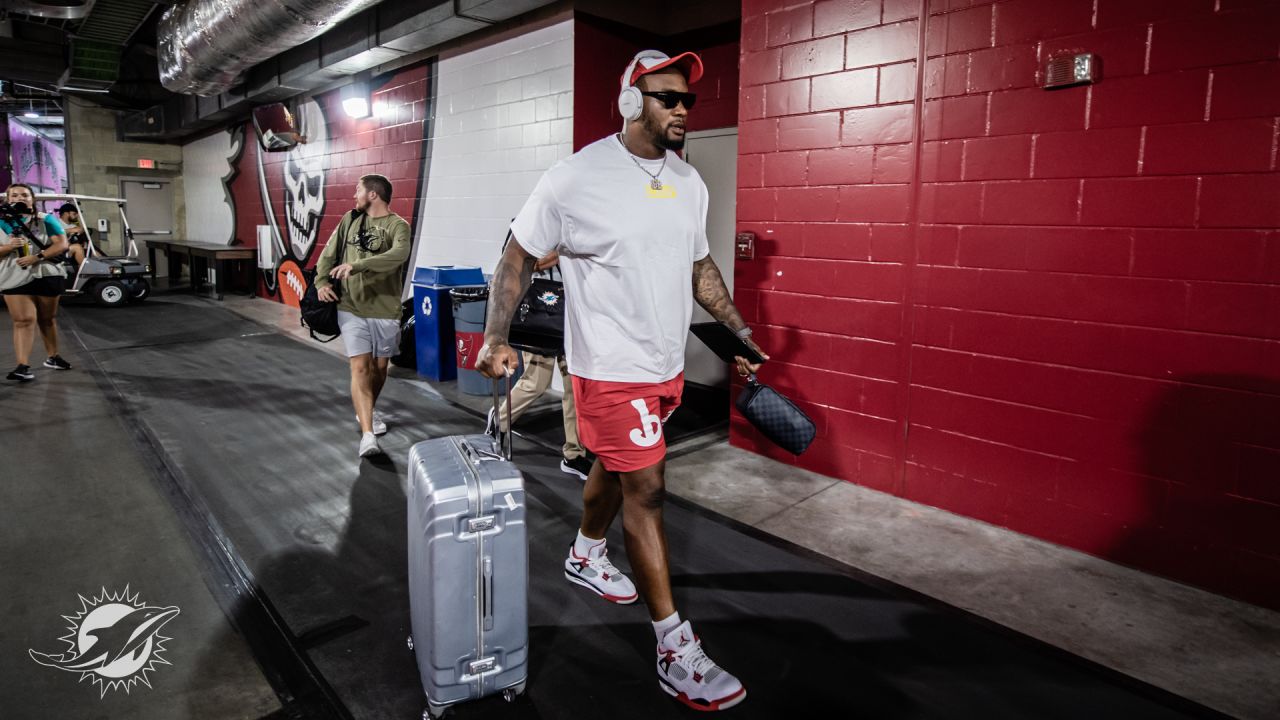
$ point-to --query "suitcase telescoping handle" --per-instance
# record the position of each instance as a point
(504, 446)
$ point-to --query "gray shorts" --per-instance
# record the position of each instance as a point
(364, 336)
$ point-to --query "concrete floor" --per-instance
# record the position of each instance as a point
(1210, 649)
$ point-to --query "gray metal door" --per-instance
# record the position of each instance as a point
(150, 207)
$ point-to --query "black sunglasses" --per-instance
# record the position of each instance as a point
(670, 98)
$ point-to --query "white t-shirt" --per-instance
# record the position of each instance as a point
(627, 254)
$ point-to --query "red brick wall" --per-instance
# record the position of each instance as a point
(1061, 312)
(390, 142)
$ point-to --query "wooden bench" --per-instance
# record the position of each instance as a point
(198, 257)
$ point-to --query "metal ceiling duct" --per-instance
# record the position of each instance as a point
(56, 10)
(206, 45)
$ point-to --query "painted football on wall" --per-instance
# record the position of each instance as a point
(292, 283)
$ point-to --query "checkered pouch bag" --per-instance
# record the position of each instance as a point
(776, 417)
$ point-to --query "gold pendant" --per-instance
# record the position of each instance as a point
(656, 184)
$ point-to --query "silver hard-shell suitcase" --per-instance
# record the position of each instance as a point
(468, 569)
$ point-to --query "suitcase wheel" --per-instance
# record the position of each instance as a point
(433, 711)
(513, 692)
(409, 641)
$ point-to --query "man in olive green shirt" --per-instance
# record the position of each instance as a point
(377, 245)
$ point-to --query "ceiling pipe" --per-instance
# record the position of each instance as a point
(62, 10)
(205, 46)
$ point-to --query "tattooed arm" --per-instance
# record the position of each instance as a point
(510, 281)
(710, 292)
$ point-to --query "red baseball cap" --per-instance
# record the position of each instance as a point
(655, 60)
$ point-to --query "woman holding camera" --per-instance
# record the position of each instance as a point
(35, 303)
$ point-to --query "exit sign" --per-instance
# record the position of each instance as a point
(148, 164)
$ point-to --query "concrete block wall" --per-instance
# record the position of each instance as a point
(210, 163)
(96, 160)
(1060, 311)
(503, 115)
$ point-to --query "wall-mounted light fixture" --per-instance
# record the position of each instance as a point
(355, 98)
(1068, 70)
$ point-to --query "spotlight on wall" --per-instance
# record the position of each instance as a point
(355, 99)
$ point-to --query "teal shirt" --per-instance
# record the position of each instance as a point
(52, 226)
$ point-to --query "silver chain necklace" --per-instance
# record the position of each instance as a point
(654, 182)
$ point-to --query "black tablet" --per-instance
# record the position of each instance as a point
(724, 342)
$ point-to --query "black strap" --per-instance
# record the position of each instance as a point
(26, 231)
(363, 217)
(342, 246)
(342, 251)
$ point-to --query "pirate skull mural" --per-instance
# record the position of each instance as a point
(304, 180)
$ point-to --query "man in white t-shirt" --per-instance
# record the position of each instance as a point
(628, 217)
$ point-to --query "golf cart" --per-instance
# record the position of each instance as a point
(108, 280)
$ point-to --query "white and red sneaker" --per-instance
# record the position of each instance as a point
(597, 574)
(687, 674)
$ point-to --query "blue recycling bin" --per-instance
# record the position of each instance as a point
(433, 313)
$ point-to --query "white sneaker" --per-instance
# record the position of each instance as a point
(379, 423)
(687, 674)
(598, 575)
(369, 445)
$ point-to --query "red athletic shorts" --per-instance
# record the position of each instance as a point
(622, 422)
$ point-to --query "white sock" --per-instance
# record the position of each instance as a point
(369, 435)
(666, 625)
(583, 545)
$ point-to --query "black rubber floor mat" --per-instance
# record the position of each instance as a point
(157, 321)
(263, 428)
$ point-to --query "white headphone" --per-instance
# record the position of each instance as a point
(630, 101)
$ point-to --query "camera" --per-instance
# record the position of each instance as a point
(15, 216)
(14, 213)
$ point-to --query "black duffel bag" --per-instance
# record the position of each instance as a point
(407, 357)
(318, 316)
(538, 324)
(776, 417)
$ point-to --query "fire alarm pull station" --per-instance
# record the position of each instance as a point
(745, 246)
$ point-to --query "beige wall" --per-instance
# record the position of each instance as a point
(96, 160)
